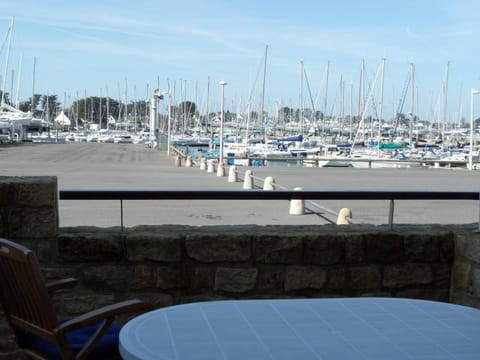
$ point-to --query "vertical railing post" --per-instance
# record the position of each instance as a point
(478, 229)
(390, 213)
(121, 214)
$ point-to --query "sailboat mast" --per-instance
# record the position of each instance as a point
(302, 105)
(108, 108)
(412, 105)
(207, 120)
(10, 30)
(380, 112)
(17, 93)
(263, 94)
(326, 91)
(33, 82)
(445, 91)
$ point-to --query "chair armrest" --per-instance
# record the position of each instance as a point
(67, 283)
(106, 312)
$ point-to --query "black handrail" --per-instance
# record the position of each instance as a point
(264, 195)
(122, 195)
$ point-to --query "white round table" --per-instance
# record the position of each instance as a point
(336, 328)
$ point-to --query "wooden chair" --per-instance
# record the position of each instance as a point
(31, 315)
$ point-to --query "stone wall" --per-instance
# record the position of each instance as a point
(465, 287)
(165, 265)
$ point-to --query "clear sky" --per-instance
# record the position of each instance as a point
(124, 47)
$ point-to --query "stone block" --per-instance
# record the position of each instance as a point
(467, 245)
(105, 277)
(6, 193)
(236, 280)
(442, 274)
(271, 279)
(202, 278)
(365, 277)
(476, 282)
(325, 250)
(31, 223)
(305, 277)
(153, 300)
(402, 275)
(384, 248)
(81, 247)
(278, 250)
(422, 248)
(337, 278)
(74, 304)
(36, 192)
(354, 249)
(425, 293)
(154, 246)
(461, 276)
(142, 277)
(213, 247)
(171, 277)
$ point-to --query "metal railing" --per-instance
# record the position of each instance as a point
(391, 196)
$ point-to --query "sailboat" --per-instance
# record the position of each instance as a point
(15, 124)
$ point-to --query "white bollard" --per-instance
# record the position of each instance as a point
(248, 180)
(269, 183)
(188, 162)
(297, 206)
(344, 216)
(210, 166)
(178, 160)
(221, 169)
(203, 163)
(232, 173)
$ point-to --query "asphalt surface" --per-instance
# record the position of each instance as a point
(92, 166)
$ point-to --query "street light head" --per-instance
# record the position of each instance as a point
(475, 92)
(222, 82)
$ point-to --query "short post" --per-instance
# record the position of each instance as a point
(203, 163)
(178, 160)
(221, 169)
(297, 206)
(248, 180)
(210, 166)
(232, 173)
(188, 161)
(269, 183)
(390, 213)
(344, 216)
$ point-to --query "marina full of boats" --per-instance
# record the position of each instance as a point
(317, 148)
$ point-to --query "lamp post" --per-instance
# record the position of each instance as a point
(470, 156)
(154, 130)
(222, 116)
(169, 124)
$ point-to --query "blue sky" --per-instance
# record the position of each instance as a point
(126, 46)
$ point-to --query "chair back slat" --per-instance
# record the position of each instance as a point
(24, 295)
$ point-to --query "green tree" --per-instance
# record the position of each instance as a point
(50, 106)
(285, 114)
(28, 106)
(95, 109)
(6, 99)
(187, 108)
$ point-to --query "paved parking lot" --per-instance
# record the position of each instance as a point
(132, 167)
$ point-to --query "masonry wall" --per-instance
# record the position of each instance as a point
(166, 265)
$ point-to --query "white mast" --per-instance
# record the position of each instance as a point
(9, 35)
(17, 101)
(380, 113)
(263, 93)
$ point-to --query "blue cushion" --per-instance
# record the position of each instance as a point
(106, 348)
